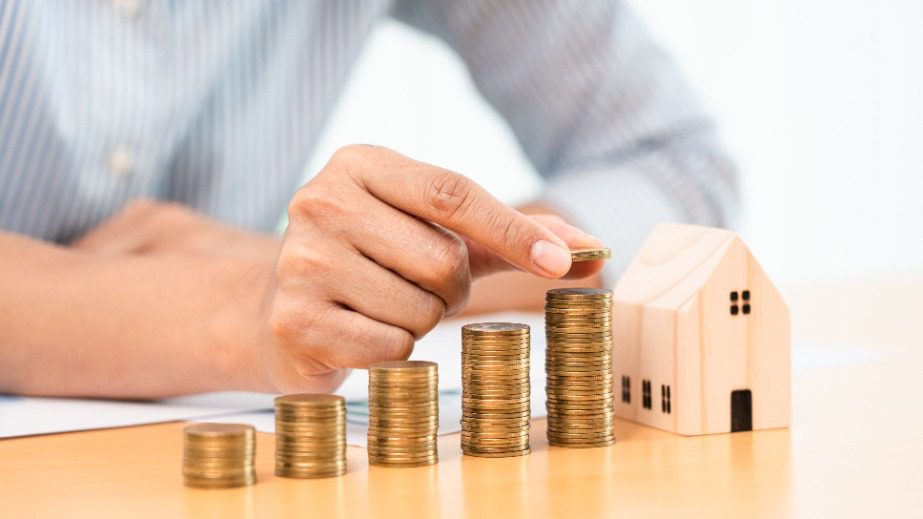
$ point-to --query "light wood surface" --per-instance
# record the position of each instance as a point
(855, 448)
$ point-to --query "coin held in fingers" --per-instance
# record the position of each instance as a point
(594, 254)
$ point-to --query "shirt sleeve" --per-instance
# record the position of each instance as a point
(601, 111)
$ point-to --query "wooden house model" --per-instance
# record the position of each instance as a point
(701, 336)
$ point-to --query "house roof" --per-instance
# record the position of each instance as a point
(673, 265)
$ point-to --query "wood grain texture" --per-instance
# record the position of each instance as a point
(674, 327)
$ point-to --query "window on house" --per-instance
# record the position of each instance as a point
(646, 400)
(740, 302)
(666, 406)
(626, 389)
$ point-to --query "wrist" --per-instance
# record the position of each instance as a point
(240, 333)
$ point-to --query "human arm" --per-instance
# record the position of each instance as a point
(73, 323)
(150, 227)
(378, 249)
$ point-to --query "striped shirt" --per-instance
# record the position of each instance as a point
(217, 104)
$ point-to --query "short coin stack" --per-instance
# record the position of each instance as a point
(578, 363)
(310, 436)
(495, 390)
(403, 413)
(218, 455)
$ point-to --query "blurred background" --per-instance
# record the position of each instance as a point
(820, 102)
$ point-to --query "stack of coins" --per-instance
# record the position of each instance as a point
(578, 363)
(310, 436)
(600, 253)
(403, 413)
(495, 390)
(219, 455)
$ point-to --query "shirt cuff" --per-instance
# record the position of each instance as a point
(619, 206)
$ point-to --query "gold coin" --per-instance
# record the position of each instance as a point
(496, 328)
(403, 413)
(404, 365)
(311, 400)
(310, 436)
(506, 454)
(591, 254)
(497, 452)
(495, 386)
(578, 366)
(218, 431)
(218, 455)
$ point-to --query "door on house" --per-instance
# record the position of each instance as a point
(741, 410)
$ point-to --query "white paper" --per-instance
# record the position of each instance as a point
(21, 416)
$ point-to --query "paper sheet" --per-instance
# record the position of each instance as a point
(21, 416)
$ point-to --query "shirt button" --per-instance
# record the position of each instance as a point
(121, 163)
(127, 8)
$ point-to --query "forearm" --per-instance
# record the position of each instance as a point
(78, 324)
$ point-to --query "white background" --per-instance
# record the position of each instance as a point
(821, 103)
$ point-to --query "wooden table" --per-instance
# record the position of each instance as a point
(855, 449)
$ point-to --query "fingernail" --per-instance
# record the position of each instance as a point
(551, 258)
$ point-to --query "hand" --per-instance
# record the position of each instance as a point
(153, 227)
(520, 291)
(380, 248)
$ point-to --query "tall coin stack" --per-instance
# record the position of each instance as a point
(310, 436)
(495, 390)
(219, 455)
(578, 364)
(403, 413)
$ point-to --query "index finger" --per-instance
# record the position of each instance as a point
(461, 205)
